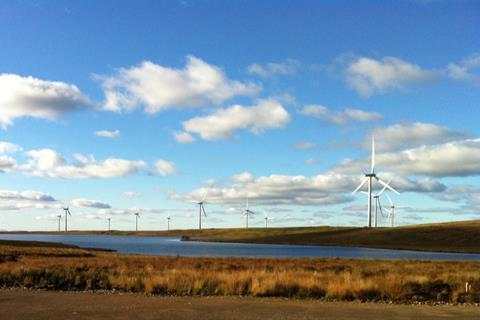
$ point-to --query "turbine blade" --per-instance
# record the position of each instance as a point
(373, 155)
(386, 185)
(203, 209)
(360, 185)
(384, 188)
(389, 199)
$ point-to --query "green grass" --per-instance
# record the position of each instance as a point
(445, 237)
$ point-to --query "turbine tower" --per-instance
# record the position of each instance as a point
(137, 215)
(266, 218)
(369, 177)
(201, 210)
(168, 223)
(247, 212)
(67, 213)
(378, 205)
(109, 219)
(59, 217)
(391, 213)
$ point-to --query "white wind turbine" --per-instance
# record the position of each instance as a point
(369, 179)
(378, 205)
(247, 212)
(391, 213)
(168, 223)
(201, 210)
(67, 213)
(266, 218)
(137, 216)
(59, 217)
(109, 220)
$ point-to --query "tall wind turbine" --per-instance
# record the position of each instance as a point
(59, 217)
(168, 223)
(369, 179)
(201, 210)
(391, 213)
(109, 219)
(137, 215)
(67, 213)
(247, 212)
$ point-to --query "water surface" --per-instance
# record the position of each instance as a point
(169, 246)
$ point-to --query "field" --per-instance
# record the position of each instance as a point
(73, 269)
(444, 237)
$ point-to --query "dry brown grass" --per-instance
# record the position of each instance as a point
(331, 279)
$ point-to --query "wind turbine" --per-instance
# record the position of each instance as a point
(137, 215)
(201, 210)
(378, 205)
(369, 179)
(67, 213)
(266, 218)
(168, 223)
(391, 213)
(247, 212)
(109, 219)
(59, 217)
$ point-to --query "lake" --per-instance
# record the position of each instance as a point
(167, 246)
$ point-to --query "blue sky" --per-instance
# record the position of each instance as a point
(114, 107)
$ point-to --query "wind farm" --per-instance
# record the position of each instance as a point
(239, 159)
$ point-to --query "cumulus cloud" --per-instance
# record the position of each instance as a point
(7, 147)
(49, 163)
(32, 97)
(158, 87)
(7, 164)
(29, 199)
(452, 159)
(407, 135)
(287, 67)
(324, 189)
(341, 117)
(369, 76)
(462, 71)
(183, 137)
(222, 123)
(108, 134)
(165, 167)
(90, 204)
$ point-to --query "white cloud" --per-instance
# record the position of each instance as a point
(324, 189)
(288, 67)
(7, 164)
(183, 137)
(407, 135)
(15, 200)
(341, 117)
(452, 159)
(222, 123)
(462, 71)
(165, 167)
(369, 76)
(7, 147)
(90, 204)
(49, 163)
(158, 87)
(311, 161)
(32, 97)
(108, 134)
(131, 194)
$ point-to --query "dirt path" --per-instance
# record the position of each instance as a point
(23, 304)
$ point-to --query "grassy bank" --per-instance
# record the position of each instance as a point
(65, 268)
(444, 237)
